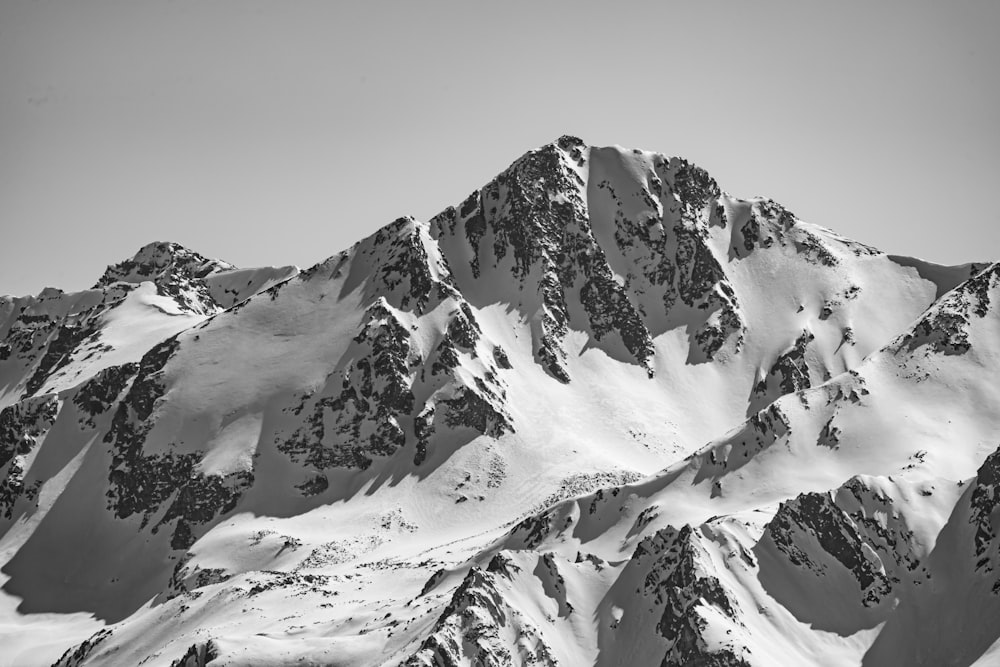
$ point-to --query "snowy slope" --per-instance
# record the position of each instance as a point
(56, 340)
(482, 440)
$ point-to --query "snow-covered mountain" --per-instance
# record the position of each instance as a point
(600, 412)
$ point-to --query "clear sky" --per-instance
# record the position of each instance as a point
(281, 132)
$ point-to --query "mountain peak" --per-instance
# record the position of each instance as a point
(441, 433)
(160, 259)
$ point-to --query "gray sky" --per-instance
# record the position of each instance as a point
(282, 132)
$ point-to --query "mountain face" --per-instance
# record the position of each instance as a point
(599, 412)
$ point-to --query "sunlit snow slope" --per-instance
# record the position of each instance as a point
(599, 412)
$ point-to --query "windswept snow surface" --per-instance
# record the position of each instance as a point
(600, 412)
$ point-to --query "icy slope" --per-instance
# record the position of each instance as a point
(354, 463)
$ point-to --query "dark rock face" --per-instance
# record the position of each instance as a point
(502, 564)
(790, 368)
(668, 255)
(829, 436)
(858, 527)
(156, 260)
(853, 387)
(43, 338)
(500, 357)
(788, 374)
(536, 214)
(21, 427)
(404, 273)
(983, 503)
(761, 431)
(142, 483)
(814, 249)
(469, 630)
(197, 655)
(944, 327)
(718, 330)
(178, 273)
(549, 350)
(367, 407)
(374, 390)
(530, 531)
(694, 188)
(942, 332)
(769, 223)
(682, 591)
(57, 354)
(129, 427)
(772, 225)
(611, 311)
(78, 655)
(199, 500)
(98, 394)
(364, 408)
(702, 284)
(470, 409)
(185, 578)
